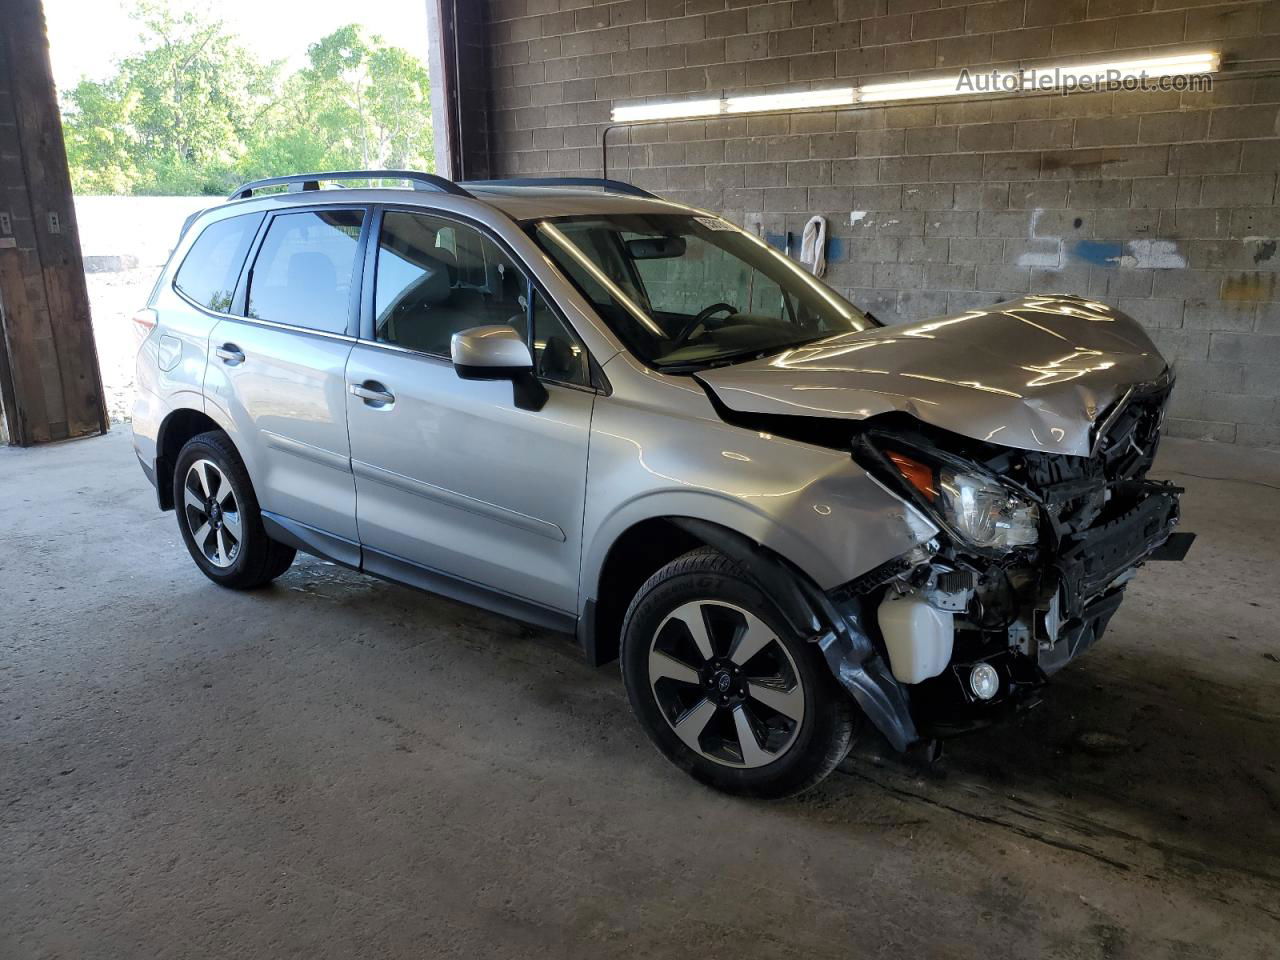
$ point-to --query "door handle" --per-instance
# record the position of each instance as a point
(230, 354)
(373, 393)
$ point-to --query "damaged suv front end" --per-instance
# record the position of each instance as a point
(950, 509)
(1033, 473)
(1034, 553)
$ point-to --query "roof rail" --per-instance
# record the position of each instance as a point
(617, 186)
(312, 181)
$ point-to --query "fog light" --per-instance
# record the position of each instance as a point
(984, 681)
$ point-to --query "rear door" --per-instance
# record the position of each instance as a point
(459, 490)
(278, 370)
(188, 309)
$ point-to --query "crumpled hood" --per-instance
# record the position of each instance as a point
(1033, 373)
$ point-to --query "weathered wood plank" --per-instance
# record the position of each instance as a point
(28, 418)
(52, 358)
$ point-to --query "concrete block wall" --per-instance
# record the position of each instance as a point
(1163, 204)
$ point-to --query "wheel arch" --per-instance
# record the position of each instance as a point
(176, 429)
(648, 543)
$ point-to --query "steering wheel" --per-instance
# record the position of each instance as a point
(702, 317)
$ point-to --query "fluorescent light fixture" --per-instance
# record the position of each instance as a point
(949, 86)
(688, 109)
(1182, 65)
(1067, 77)
(800, 100)
(755, 103)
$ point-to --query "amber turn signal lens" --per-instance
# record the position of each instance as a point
(918, 474)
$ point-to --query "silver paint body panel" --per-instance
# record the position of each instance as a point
(453, 477)
(658, 449)
(288, 402)
(1033, 373)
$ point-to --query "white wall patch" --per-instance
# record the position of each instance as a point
(1049, 251)
(1153, 254)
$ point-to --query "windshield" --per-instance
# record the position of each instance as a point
(685, 291)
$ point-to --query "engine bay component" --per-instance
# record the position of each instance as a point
(918, 636)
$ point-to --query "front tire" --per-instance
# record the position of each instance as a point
(219, 518)
(724, 688)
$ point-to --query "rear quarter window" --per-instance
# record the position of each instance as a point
(211, 267)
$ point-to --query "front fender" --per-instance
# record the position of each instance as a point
(708, 507)
(845, 647)
(660, 449)
(813, 506)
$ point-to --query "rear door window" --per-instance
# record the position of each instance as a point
(303, 272)
(211, 267)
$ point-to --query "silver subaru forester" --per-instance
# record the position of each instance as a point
(625, 419)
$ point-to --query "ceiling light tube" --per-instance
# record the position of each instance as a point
(686, 110)
(1047, 77)
(1181, 65)
(1067, 77)
(954, 85)
(800, 100)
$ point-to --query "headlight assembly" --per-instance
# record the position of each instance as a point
(980, 509)
(986, 512)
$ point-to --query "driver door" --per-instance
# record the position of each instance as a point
(458, 489)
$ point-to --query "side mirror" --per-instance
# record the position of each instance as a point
(496, 352)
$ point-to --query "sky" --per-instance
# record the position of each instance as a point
(87, 36)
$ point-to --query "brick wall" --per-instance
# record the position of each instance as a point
(1163, 204)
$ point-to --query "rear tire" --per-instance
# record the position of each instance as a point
(219, 517)
(725, 688)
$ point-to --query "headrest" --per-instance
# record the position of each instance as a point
(450, 260)
(434, 286)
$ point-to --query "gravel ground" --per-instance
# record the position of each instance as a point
(113, 299)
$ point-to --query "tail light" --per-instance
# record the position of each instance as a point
(144, 321)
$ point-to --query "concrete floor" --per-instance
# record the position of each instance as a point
(338, 767)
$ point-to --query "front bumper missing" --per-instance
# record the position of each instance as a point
(842, 624)
(1074, 595)
(1095, 558)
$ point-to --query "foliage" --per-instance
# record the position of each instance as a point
(196, 113)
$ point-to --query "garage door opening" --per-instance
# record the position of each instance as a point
(167, 107)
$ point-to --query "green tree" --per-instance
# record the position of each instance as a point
(100, 143)
(174, 117)
(195, 112)
(359, 102)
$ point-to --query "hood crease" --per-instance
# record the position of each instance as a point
(1034, 373)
